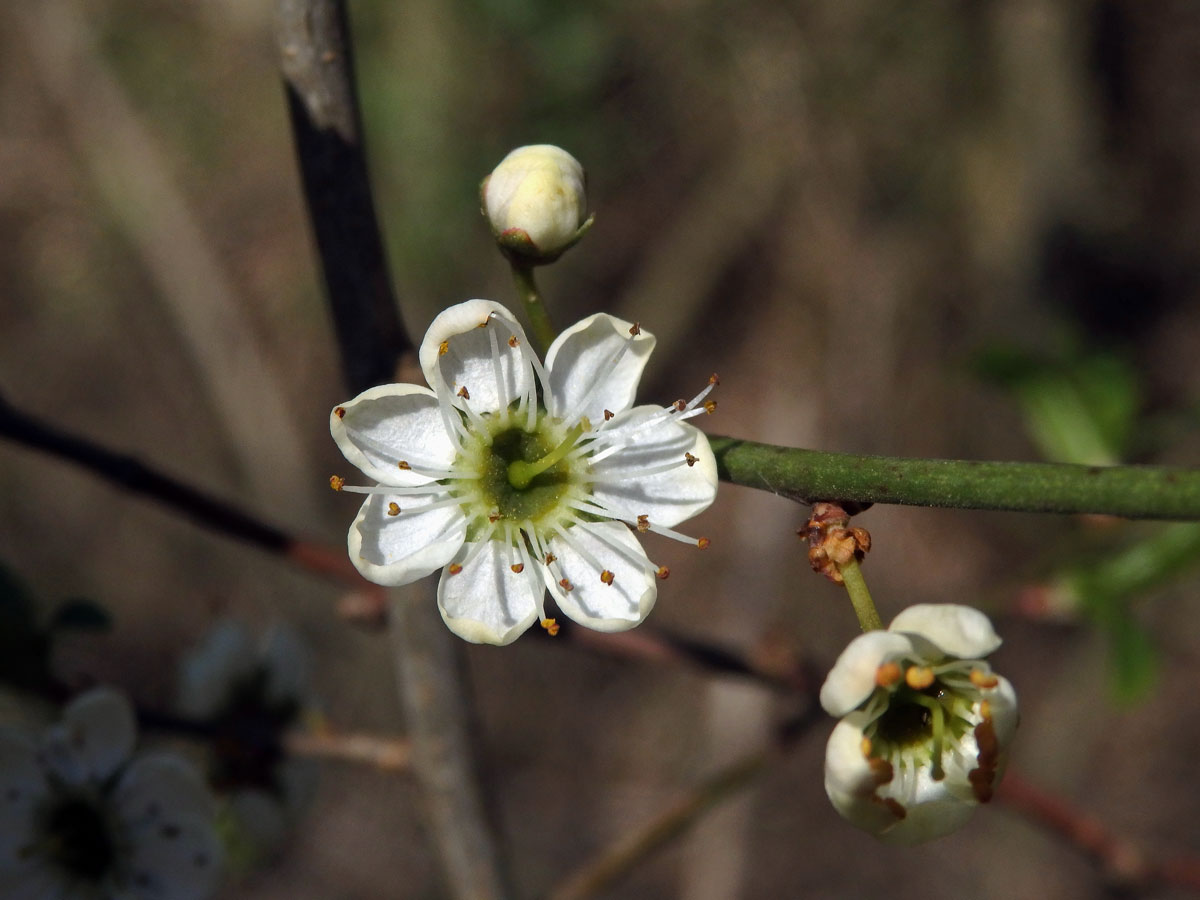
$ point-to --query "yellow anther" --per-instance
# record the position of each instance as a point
(703, 543)
(714, 379)
(983, 680)
(551, 626)
(550, 557)
(518, 568)
(690, 459)
(464, 393)
(393, 509)
(512, 342)
(403, 464)
(566, 585)
(710, 406)
(454, 568)
(607, 577)
(865, 746)
(888, 674)
(918, 677)
(336, 482)
(340, 412)
(443, 348)
(663, 572)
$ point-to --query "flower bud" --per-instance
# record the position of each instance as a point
(535, 203)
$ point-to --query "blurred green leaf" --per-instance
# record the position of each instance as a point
(1080, 410)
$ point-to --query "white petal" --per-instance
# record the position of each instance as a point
(469, 331)
(96, 735)
(933, 812)
(487, 602)
(394, 550)
(849, 781)
(179, 857)
(956, 630)
(287, 662)
(668, 497)
(158, 785)
(852, 678)
(596, 365)
(208, 674)
(390, 424)
(23, 788)
(605, 607)
(1005, 713)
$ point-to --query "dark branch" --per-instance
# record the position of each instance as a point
(318, 72)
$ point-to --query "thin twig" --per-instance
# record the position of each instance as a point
(1135, 492)
(1117, 857)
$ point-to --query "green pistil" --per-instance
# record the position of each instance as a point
(938, 720)
(522, 473)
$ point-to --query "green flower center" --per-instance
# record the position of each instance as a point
(524, 475)
(923, 721)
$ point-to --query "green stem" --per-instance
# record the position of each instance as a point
(1135, 492)
(860, 597)
(535, 309)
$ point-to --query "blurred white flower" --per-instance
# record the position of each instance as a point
(925, 726)
(535, 201)
(80, 820)
(251, 695)
(514, 494)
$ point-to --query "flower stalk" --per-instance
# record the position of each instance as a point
(860, 596)
(1135, 492)
(535, 308)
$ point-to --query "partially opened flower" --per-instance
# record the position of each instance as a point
(518, 478)
(925, 724)
(80, 821)
(250, 694)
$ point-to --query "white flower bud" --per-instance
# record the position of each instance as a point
(535, 202)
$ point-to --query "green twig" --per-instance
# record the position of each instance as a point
(1135, 492)
(535, 309)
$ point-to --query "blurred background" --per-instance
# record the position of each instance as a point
(918, 229)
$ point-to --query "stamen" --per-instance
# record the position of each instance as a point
(551, 626)
(393, 509)
(502, 397)
(639, 561)
(585, 555)
(938, 714)
(918, 677)
(337, 482)
(607, 577)
(623, 475)
(982, 680)
(395, 491)
(887, 674)
(454, 568)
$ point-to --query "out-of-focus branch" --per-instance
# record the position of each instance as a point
(315, 50)
(318, 74)
(619, 858)
(388, 754)
(1117, 857)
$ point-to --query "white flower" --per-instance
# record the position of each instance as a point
(926, 724)
(79, 820)
(535, 201)
(251, 695)
(515, 493)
